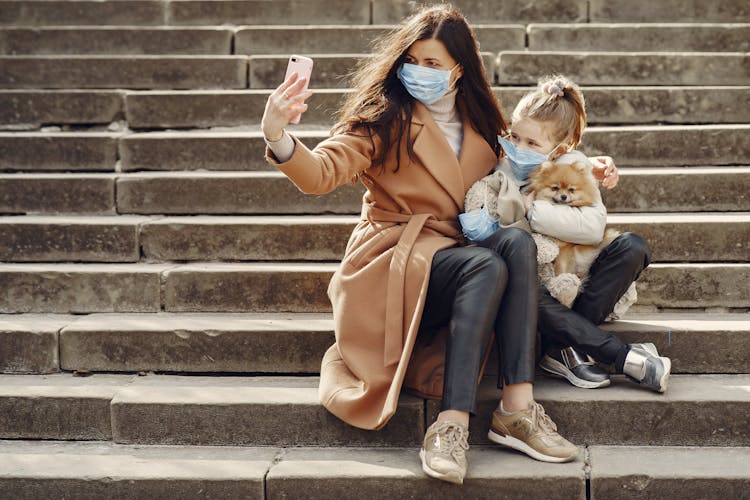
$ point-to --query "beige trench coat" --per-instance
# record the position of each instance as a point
(379, 290)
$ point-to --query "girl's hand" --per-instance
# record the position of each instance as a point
(283, 104)
(605, 171)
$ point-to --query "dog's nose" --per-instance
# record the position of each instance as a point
(564, 197)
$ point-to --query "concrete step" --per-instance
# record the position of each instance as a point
(393, 11)
(690, 237)
(35, 469)
(81, 12)
(115, 40)
(697, 410)
(330, 71)
(635, 68)
(295, 343)
(31, 109)
(135, 72)
(632, 146)
(57, 193)
(289, 287)
(354, 39)
(684, 37)
(58, 151)
(726, 11)
(606, 105)
(264, 12)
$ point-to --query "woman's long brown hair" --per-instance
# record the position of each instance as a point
(380, 105)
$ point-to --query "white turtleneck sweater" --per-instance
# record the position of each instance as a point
(444, 111)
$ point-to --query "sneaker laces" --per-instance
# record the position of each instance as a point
(540, 419)
(453, 438)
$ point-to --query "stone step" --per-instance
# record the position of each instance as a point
(689, 237)
(135, 72)
(58, 151)
(727, 11)
(31, 109)
(115, 40)
(394, 11)
(605, 105)
(295, 343)
(35, 469)
(632, 146)
(81, 12)
(330, 70)
(635, 68)
(697, 410)
(264, 12)
(288, 287)
(686, 37)
(57, 193)
(355, 39)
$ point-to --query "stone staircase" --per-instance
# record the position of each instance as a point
(164, 314)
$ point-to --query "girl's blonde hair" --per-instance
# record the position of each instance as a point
(558, 102)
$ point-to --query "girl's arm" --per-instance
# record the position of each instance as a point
(580, 225)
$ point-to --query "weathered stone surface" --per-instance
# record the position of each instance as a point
(396, 473)
(246, 238)
(690, 237)
(134, 72)
(640, 37)
(57, 193)
(695, 285)
(188, 342)
(611, 68)
(29, 342)
(80, 40)
(229, 410)
(30, 109)
(727, 11)
(104, 470)
(696, 410)
(65, 239)
(394, 11)
(81, 12)
(193, 151)
(248, 288)
(228, 193)
(680, 190)
(330, 71)
(621, 472)
(80, 288)
(58, 151)
(57, 406)
(268, 12)
(353, 39)
(696, 343)
(659, 146)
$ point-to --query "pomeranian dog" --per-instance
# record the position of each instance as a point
(572, 184)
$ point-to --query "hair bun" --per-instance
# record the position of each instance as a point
(554, 87)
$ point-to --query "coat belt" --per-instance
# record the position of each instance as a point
(394, 309)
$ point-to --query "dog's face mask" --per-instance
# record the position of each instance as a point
(563, 183)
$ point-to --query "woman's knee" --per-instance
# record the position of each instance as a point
(633, 249)
(486, 266)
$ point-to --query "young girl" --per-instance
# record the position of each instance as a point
(420, 126)
(547, 123)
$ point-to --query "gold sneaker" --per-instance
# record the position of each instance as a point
(443, 452)
(532, 432)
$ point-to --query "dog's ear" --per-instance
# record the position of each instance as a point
(546, 166)
(580, 166)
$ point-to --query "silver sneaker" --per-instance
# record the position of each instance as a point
(644, 366)
(443, 452)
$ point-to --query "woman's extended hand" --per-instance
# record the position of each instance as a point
(605, 171)
(283, 104)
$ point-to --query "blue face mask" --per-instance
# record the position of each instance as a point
(522, 161)
(427, 85)
(478, 225)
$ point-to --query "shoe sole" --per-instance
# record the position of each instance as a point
(664, 380)
(558, 370)
(451, 478)
(517, 444)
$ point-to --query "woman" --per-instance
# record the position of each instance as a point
(419, 130)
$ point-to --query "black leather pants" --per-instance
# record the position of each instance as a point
(618, 265)
(478, 291)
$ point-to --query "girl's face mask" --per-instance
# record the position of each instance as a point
(522, 161)
(478, 225)
(427, 85)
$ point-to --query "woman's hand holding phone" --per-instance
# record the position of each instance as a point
(285, 105)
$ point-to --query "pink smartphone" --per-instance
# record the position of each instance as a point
(303, 66)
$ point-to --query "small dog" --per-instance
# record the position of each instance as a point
(571, 184)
